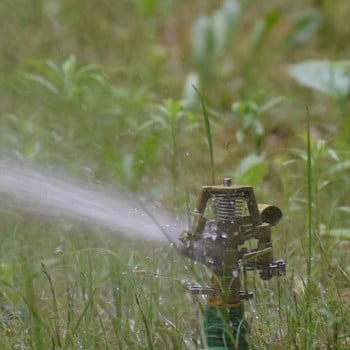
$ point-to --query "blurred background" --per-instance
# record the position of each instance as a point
(108, 86)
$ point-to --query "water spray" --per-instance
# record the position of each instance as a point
(49, 194)
(230, 234)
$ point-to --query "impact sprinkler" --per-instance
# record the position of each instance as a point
(225, 219)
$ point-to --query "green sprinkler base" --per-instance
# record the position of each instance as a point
(225, 328)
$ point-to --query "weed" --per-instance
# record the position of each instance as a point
(251, 113)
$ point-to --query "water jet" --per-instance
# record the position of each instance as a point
(46, 194)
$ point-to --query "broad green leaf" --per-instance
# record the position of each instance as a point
(224, 23)
(331, 78)
(232, 11)
(202, 40)
(251, 171)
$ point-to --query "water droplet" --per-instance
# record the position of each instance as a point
(235, 274)
(59, 249)
(209, 260)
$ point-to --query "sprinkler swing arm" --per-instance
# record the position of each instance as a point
(225, 219)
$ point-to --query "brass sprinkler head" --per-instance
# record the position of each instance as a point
(225, 218)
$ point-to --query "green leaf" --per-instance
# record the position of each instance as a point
(331, 78)
(224, 22)
(272, 102)
(202, 41)
(232, 11)
(262, 29)
(68, 67)
(339, 168)
(42, 81)
(251, 171)
(333, 154)
(305, 27)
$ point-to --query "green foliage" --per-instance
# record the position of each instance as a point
(251, 171)
(171, 122)
(331, 78)
(261, 31)
(130, 168)
(147, 7)
(251, 113)
(211, 35)
(67, 81)
(305, 27)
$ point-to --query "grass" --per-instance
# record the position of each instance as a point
(103, 93)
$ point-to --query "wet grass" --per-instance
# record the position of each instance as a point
(105, 93)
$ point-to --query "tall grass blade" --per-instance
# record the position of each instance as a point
(54, 306)
(209, 134)
(89, 303)
(309, 232)
(144, 320)
(310, 199)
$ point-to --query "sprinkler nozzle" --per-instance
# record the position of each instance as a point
(226, 217)
(270, 214)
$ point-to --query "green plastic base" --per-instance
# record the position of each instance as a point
(225, 328)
